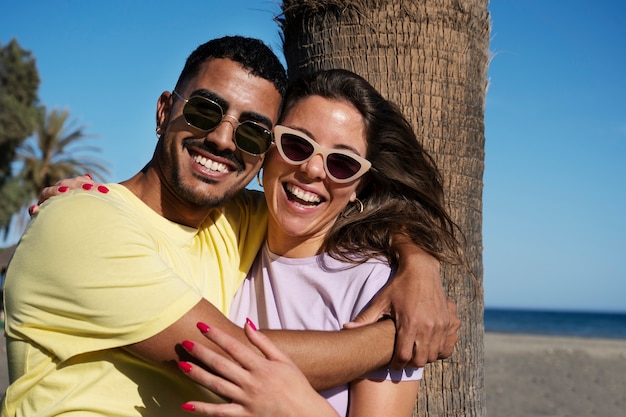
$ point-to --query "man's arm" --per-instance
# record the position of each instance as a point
(426, 320)
(347, 354)
(328, 359)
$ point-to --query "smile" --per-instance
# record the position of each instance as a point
(302, 198)
(210, 164)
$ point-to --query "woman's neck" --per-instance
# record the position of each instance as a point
(294, 246)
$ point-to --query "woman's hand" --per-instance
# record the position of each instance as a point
(268, 385)
(85, 182)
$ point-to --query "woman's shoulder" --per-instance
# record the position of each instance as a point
(372, 269)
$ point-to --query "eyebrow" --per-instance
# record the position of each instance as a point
(246, 115)
(340, 146)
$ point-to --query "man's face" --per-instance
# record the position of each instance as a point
(205, 169)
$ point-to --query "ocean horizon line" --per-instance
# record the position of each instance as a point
(556, 323)
(556, 310)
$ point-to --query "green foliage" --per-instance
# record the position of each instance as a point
(44, 147)
(55, 152)
(14, 193)
(19, 81)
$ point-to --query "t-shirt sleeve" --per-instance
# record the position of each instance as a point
(395, 375)
(379, 275)
(87, 275)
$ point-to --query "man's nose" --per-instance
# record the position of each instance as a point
(223, 134)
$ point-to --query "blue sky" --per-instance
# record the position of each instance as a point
(555, 171)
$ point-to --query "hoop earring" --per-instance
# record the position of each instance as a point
(258, 179)
(158, 133)
(361, 206)
(347, 209)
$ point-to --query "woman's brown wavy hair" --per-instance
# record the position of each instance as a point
(402, 194)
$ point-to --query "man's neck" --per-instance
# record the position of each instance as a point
(149, 188)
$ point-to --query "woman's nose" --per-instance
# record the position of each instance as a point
(314, 167)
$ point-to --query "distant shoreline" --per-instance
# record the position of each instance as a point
(556, 310)
(510, 343)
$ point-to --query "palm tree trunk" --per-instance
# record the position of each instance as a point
(431, 58)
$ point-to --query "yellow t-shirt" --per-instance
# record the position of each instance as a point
(95, 272)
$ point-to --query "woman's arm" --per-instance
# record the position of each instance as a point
(370, 398)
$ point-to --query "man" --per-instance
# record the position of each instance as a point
(102, 287)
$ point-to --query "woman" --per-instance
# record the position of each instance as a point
(346, 174)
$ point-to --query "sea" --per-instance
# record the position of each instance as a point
(556, 323)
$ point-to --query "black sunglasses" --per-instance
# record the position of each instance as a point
(205, 115)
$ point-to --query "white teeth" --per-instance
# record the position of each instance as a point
(303, 195)
(209, 164)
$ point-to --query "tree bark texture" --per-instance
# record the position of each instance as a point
(430, 57)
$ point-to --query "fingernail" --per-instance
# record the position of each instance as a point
(87, 186)
(63, 188)
(188, 344)
(185, 366)
(203, 327)
(88, 175)
(103, 189)
(188, 407)
(31, 210)
(251, 324)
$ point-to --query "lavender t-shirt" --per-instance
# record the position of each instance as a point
(317, 293)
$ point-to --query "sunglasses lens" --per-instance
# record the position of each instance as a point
(202, 113)
(342, 166)
(253, 138)
(295, 148)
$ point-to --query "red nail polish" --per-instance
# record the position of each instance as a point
(31, 210)
(251, 324)
(203, 327)
(185, 366)
(63, 188)
(103, 189)
(188, 344)
(87, 186)
(88, 175)
(188, 407)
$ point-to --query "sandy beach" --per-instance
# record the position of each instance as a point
(540, 376)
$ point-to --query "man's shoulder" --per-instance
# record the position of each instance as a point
(242, 219)
(249, 198)
(87, 210)
(75, 201)
(246, 203)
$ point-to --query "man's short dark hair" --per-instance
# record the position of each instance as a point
(251, 53)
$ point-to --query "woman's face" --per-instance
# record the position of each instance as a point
(303, 201)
